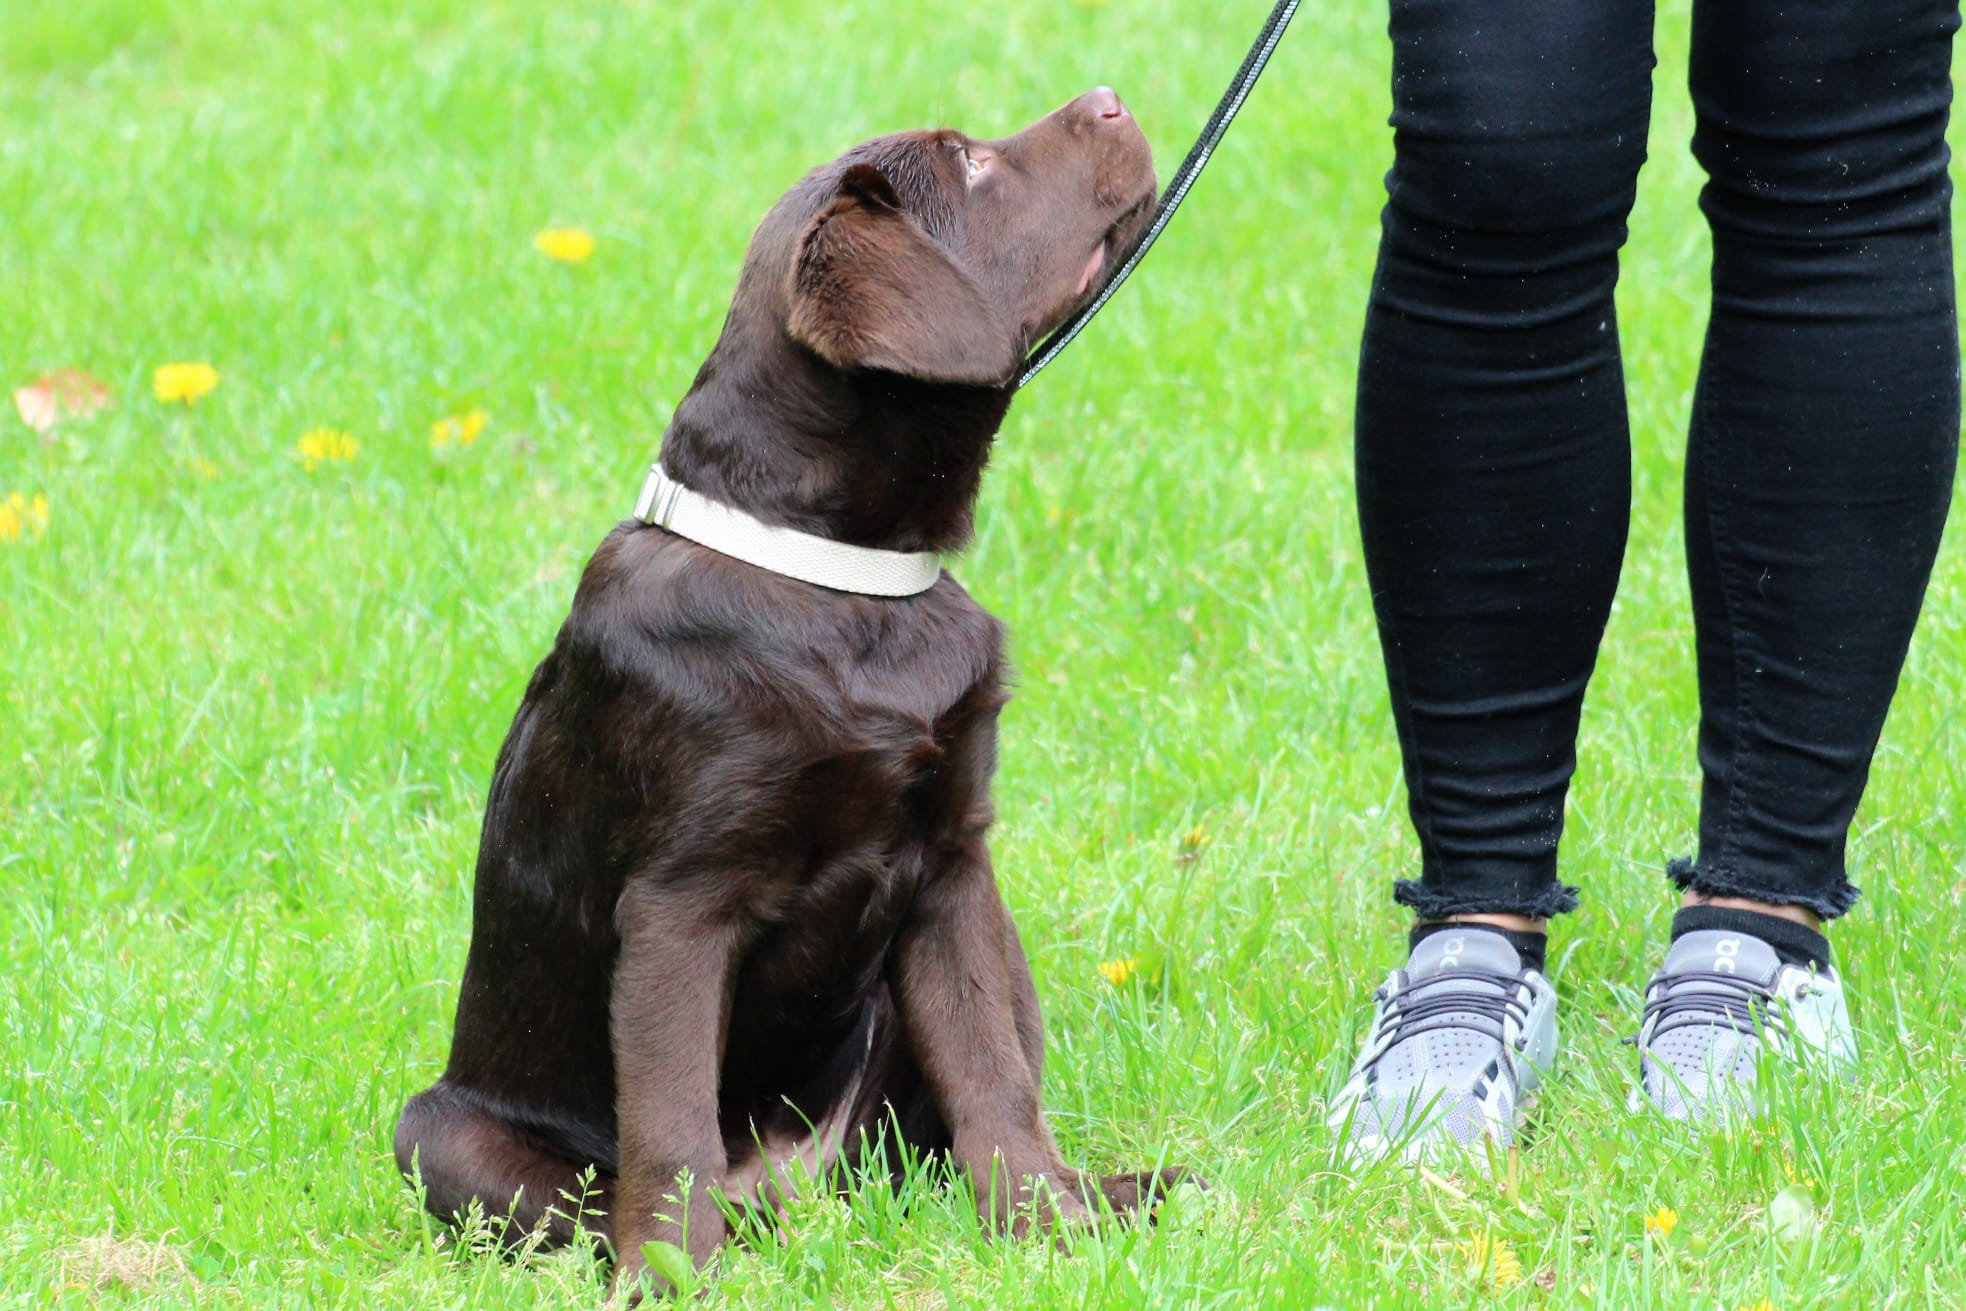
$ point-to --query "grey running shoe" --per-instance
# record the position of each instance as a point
(1459, 1040)
(1723, 999)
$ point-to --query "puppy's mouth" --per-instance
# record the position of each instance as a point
(1095, 262)
(1114, 247)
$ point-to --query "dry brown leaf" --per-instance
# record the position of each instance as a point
(63, 394)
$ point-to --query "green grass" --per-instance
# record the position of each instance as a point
(248, 712)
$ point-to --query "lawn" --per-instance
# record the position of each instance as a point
(252, 681)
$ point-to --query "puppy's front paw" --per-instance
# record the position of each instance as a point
(627, 1285)
(1037, 1201)
(1055, 1201)
(658, 1269)
(1143, 1191)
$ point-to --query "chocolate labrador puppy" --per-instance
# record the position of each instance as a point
(734, 903)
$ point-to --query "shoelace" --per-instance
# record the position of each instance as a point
(1486, 1013)
(1746, 1006)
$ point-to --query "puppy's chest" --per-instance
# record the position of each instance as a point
(892, 712)
(891, 770)
(826, 929)
(903, 765)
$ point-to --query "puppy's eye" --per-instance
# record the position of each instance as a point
(971, 164)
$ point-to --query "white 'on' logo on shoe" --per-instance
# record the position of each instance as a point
(1724, 953)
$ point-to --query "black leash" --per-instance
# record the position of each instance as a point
(1177, 190)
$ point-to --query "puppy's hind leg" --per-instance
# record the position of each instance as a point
(464, 1154)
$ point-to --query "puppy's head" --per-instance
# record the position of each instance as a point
(944, 258)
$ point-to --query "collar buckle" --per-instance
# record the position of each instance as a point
(657, 503)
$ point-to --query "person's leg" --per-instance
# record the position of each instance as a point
(1492, 444)
(1493, 486)
(1826, 420)
(1819, 471)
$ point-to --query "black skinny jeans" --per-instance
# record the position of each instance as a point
(1493, 448)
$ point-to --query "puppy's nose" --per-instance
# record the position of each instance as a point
(1104, 102)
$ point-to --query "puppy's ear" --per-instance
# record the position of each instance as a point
(871, 290)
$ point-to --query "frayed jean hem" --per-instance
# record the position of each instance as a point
(1707, 881)
(1428, 903)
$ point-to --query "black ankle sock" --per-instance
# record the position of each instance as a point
(1794, 944)
(1530, 947)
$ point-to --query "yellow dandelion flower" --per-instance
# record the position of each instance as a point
(21, 517)
(1661, 1222)
(1490, 1261)
(183, 382)
(567, 245)
(319, 446)
(457, 429)
(1763, 1305)
(204, 468)
(1117, 972)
